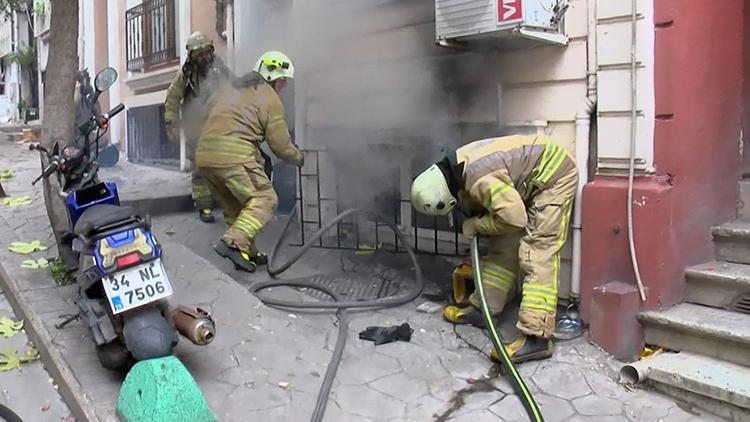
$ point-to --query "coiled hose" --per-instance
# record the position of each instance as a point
(341, 306)
(532, 408)
(7, 415)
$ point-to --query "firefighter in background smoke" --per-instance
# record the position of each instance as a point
(187, 105)
(247, 112)
(518, 190)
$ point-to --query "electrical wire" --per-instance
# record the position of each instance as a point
(633, 134)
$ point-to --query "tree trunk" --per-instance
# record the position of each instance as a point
(58, 125)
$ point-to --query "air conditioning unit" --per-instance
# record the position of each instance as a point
(466, 20)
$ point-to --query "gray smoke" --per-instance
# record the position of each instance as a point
(371, 88)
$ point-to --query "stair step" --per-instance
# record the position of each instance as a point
(694, 328)
(718, 284)
(744, 206)
(732, 242)
(719, 387)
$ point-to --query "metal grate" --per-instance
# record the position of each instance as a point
(742, 305)
(430, 235)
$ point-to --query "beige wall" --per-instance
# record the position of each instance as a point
(203, 18)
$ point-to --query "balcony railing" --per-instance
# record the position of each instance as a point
(151, 34)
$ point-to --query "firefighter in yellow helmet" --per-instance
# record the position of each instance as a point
(518, 190)
(247, 112)
(186, 106)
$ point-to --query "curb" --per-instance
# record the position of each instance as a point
(161, 206)
(68, 386)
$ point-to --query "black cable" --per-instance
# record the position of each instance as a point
(340, 305)
(8, 415)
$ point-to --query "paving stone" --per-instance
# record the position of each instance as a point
(553, 408)
(510, 409)
(647, 407)
(579, 418)
(606, 386)
(400, 386)
(424, 408)
(367, 370)
(423, 364)
(677, 414)
(465, 364)
(550, 377)
(595, 405)
(258, 397)
(478, 416)
(362, 400)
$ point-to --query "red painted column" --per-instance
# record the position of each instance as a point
(698, 87)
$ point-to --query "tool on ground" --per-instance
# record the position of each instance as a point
(194, 324)
(383, 335)
(68, 319)
(341, 306)
(532, 408)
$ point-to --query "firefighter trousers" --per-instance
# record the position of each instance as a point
(246, 197)
(535, 254)
(201, 191)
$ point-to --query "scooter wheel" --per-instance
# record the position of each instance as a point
(113, 355)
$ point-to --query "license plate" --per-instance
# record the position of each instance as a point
(137, 286)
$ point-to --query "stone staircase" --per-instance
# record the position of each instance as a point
(711, 328)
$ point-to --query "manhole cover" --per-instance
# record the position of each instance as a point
(742, 305)
(355, 286)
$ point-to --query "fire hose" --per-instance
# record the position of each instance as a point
(7, 415)
(532, 408)
(342, 307)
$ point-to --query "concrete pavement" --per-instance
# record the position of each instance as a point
(267, 363)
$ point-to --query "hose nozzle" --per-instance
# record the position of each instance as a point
(195, 325)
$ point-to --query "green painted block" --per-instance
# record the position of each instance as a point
(162, 390)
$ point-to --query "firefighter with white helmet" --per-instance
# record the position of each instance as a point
(518, 190)
(246, 113)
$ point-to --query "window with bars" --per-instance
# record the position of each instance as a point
(151, 30)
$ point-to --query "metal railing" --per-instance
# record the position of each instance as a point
(428, 235)
(151, 35)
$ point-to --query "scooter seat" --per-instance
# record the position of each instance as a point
(102, 215)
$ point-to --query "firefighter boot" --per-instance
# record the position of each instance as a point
(461, 314)
(206, 215)
(527, 348)
(245, 261)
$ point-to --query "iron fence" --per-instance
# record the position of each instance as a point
(369, 231)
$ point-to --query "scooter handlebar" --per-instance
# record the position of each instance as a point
(115, 111)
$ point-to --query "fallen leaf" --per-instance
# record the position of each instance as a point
(16, 201)
(285, 385)
(46, 406)
(24, 248)
(9, 328)
(10, 360)
(33, 265)
(6, 174)
(170, 232)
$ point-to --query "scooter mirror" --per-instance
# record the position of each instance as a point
(105, 79)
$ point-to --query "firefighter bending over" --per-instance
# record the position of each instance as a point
(518, 190)
(246, 112)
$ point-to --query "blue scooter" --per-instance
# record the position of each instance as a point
(123, 287)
